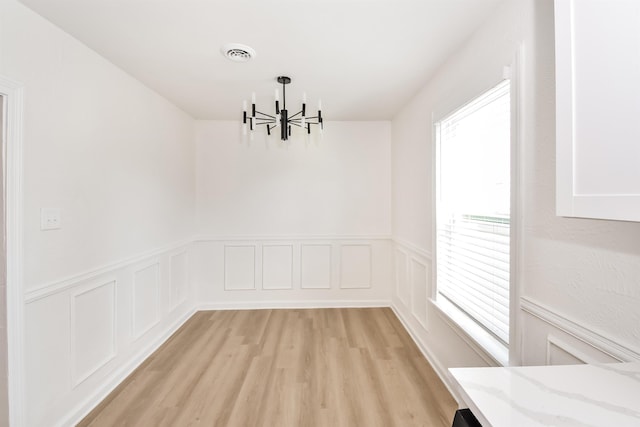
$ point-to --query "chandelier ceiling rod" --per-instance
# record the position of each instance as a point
(282, 117)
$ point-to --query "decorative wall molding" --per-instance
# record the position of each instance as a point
(302, 304)
(596, 340)
(554, 342)
(139, 330)
(412, 247)
(420, 290)
(104, 332)
(78, 376)
(402, 275)
(179, 282)
(292, 237)
(73, 281)
(290, 271)
(89, 402)
(279, 281)
(240, 267)
(352, 273)
(316, 267)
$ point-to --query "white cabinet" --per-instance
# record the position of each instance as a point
(598, 108)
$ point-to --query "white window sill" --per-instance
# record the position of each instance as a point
(472, 332)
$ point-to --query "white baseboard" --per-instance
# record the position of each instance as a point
(114, 380)
(442, 372)
(258, 305)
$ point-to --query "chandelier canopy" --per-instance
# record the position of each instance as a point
(281, 118)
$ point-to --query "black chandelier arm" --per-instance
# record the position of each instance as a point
(264, 114)
(306, 121)
(299, 112)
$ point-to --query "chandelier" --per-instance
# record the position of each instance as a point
(281, 118)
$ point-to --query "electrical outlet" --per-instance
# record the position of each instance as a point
(50, 218)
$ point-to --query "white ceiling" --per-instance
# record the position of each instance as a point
(364, 58)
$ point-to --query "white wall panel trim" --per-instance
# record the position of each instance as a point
(228, 272)
(79, 377)
(413, 248)
(275, 305)
(596, 340)
(328, 284)
(402, 294)
(78, 279)
(366, 281)
(421, 317)
(135, 331)
(553, 341)
(112, 381)
(311, 237)
(265, 283)
(173, 285)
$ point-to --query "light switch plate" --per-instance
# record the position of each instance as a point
(50, 219)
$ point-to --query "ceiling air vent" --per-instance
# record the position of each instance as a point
(238, 52)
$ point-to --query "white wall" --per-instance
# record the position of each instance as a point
(118, 160)
(337, 186)
(304, 224)
(579, 278)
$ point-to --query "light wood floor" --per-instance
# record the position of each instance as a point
(298, 368)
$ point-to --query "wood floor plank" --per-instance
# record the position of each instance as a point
(312, 368)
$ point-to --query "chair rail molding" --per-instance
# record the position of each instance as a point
(66, 283)
(598, 341)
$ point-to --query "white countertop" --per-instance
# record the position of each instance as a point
(606, 395)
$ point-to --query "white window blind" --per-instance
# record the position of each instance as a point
(473, 209)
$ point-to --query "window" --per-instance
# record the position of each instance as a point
(473, 215)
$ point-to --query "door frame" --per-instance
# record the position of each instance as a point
(13, 96)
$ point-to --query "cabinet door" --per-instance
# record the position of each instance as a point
(598, 108)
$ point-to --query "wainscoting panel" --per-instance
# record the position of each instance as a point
(442, 345)
(85, 334)
(554, 339)
(277, 266)
(239, 267)
(315, 267)
(402, 274)
(420, 280)
(93, 326)
(293, 271)
(146, 299)
(560, 352)
(179, 279)
(355, 266)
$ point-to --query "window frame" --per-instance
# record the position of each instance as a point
(489, 348)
